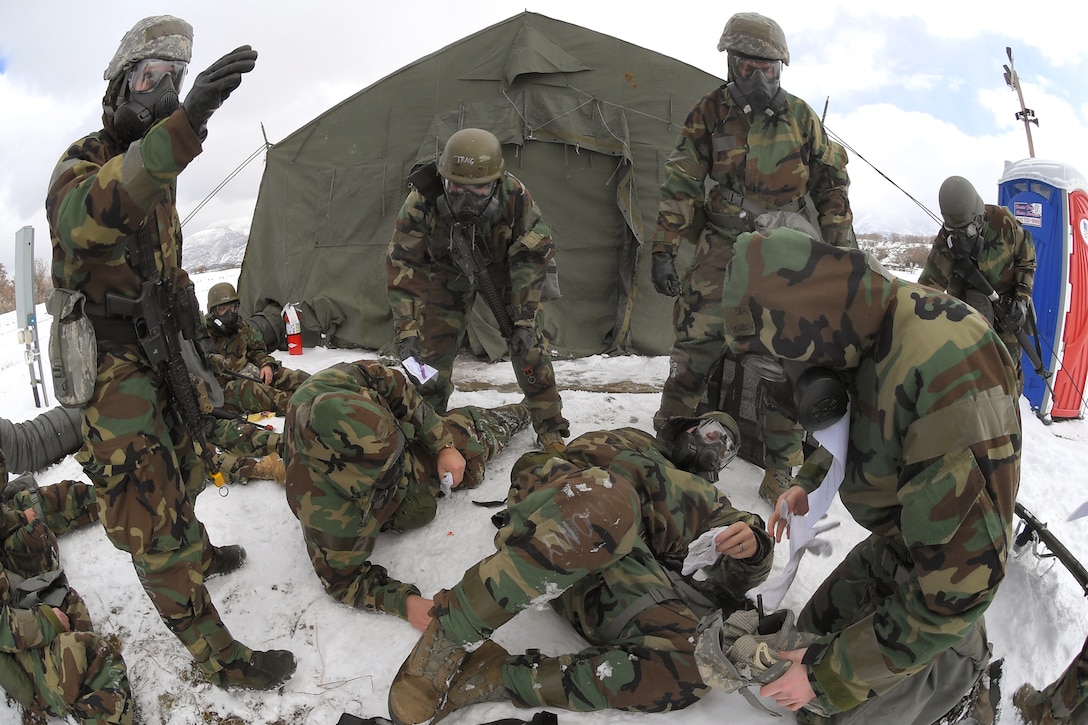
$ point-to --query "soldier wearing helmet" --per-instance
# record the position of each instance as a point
(112, 211)
(770, 163)
(983, 256)
(366, 454)
(253, 380)
(931, 468)
(468, 193)
(601, 531)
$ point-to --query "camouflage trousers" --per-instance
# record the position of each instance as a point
(64, 506)
(698, 348)
(870, 574)
(575, 540)
(146, 474)
(250, 396)
(336, 520)
(79, 672)
(239, 444)
(441, 335)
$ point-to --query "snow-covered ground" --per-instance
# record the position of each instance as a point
(347, 658)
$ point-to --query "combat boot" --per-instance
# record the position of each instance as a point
(551, 441)
(1029, 703)
(478, 680)
(423, 679)
(776, 481)
(262, 670)
(225, 559)
(269, 468)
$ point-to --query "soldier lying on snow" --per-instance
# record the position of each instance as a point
(600, 531)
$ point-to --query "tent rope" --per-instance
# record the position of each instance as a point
(224, 182)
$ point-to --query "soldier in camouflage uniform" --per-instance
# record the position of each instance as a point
(51, 661)
(984, 238)
(601, 532)
(366, 454)
(469, 191)
(112, 194)
(64, 506)
(932, 471)
(1063, 701)
(240, 349)
(763, 150)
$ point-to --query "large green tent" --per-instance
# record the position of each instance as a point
(586, 121)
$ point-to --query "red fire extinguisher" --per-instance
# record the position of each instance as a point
(294, 329)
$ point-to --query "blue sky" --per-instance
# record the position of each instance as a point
(917, 91)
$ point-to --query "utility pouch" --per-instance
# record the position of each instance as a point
(73, 348)
(50, 588)
(550, 291)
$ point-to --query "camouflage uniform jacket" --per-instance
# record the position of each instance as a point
(669, 524)
(774, 162)
(1006, 259)
(244, 347)
(20, 629)
(517, 245)
(933, 458)
(331, 472)
(100, 194)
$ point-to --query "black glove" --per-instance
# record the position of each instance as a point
(1016, 314)
(409, 347)
(520, 342)
(215, 84)
(663, 274)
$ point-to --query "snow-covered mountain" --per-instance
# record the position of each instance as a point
(217, 247)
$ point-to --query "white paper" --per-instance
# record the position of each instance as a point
(701, 552)
(421, 372)
(1080, 512)
(804, 530)
(447, 483)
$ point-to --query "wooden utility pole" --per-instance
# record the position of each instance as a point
(1024, 114)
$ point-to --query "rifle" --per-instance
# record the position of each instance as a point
(970, 272)
(162, 315)
(467, 257)
(1032, 529)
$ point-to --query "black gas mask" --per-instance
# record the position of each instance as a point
(226, 319)
(964, 242)
(470, 204)
(813, 396)
(703, 447)
(150, 94)
(756, 83)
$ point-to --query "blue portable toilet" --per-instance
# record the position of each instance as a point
(1050, 199)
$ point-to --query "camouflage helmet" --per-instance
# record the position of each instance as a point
(221, 294)
(160, 36)
(756, 36)
(960, 203)
(472, 156)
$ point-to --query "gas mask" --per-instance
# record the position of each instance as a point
(964, 242)
(141, 109)
(756, 84)
(813, 396)
(226, 319)
(704, 448)
(466, 206)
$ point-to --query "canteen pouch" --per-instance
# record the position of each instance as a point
(73, 348)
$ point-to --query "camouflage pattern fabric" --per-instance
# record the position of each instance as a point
(430, 296)
(47, 668)
(1065, 699)
(592, 535)
(1006, 260)
(241, 350)
(65, 506)
(144, 469)
(784, 162)
(330, 478)
(238, 446)
(933, 457)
